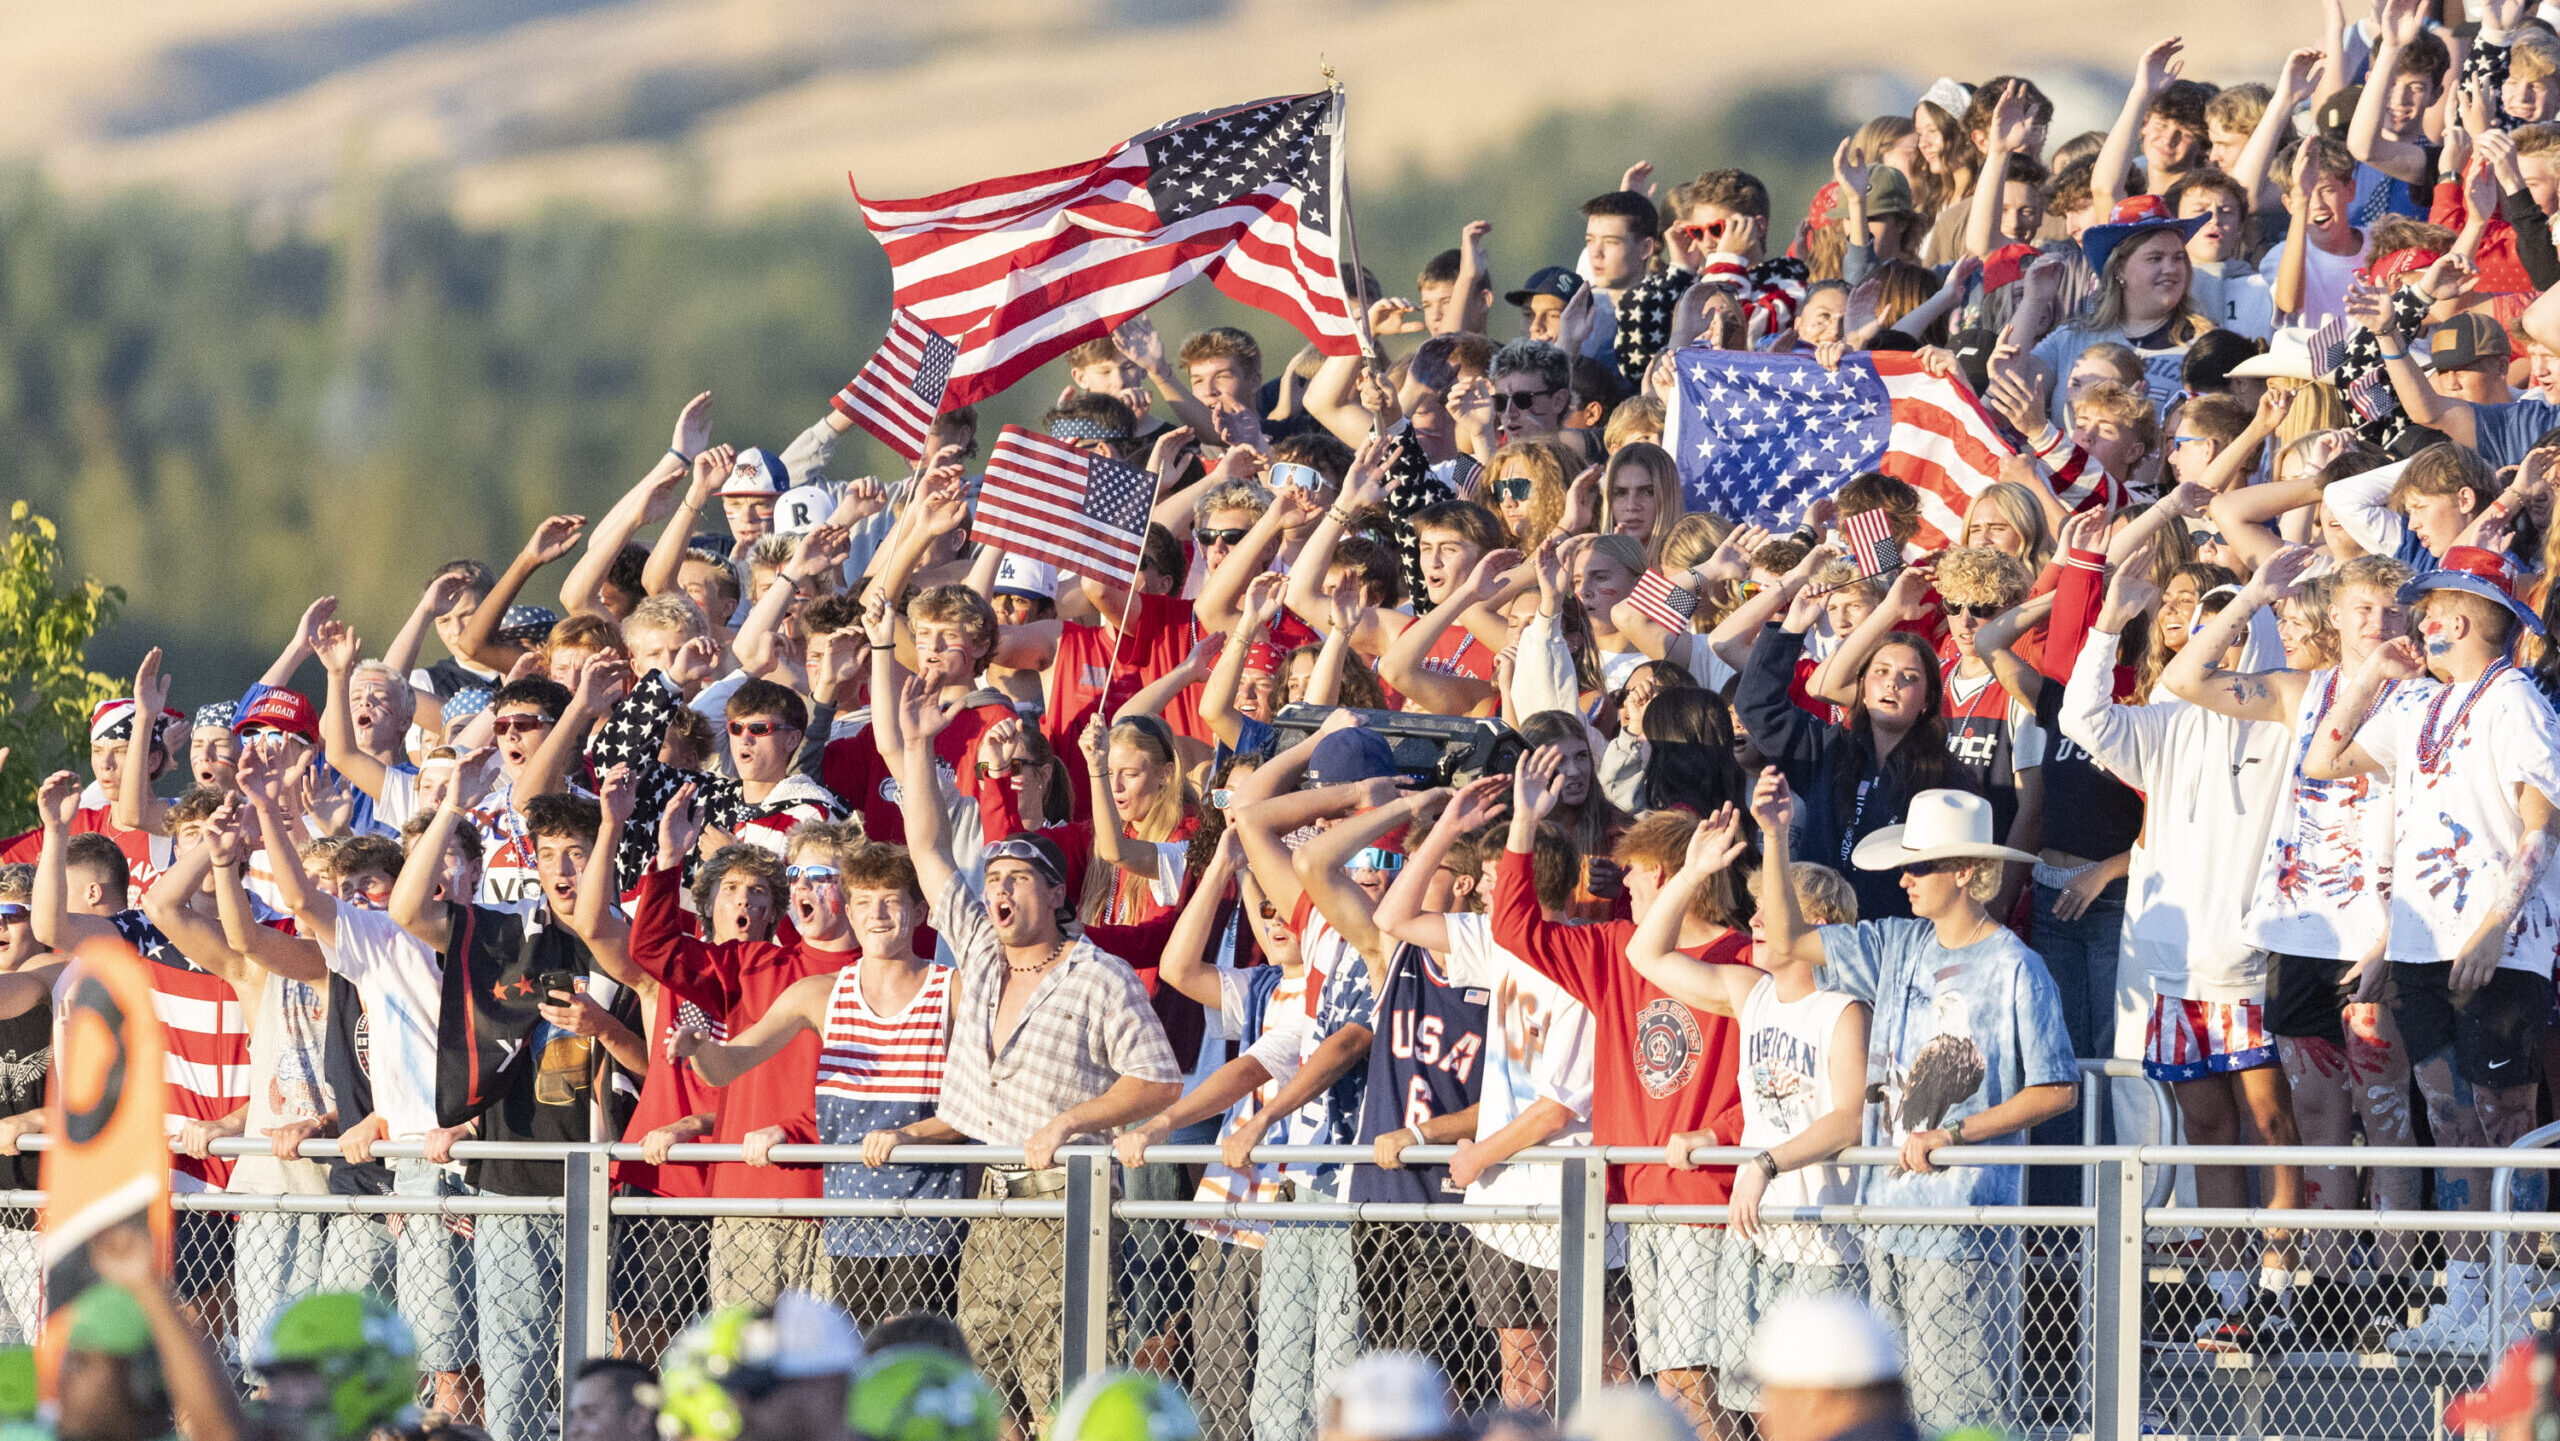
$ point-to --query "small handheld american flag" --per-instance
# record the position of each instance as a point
(1046, 500)
(1666, 605)
(899, 391)
(1870, 536)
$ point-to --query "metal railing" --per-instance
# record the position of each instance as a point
(2088, 1327)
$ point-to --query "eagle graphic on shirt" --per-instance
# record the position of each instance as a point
(1948, 1070)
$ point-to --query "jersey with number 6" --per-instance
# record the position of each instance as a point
(1427, 1060)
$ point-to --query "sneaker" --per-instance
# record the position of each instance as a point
(2260, 1327)
(2444, 1333)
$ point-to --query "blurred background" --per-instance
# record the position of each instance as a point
(306, 296)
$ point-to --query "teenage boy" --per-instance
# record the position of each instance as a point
(110, 732)
(2473, 754)
(1661, 1067)
(546, 1090)
(953, 631)
(2221, 281)
(1082, 1055)
(2388, 133)
(1726, 217)
(2311, 270)
(2319, 908)
(2214, 783)
(1967, 1046)
(1452, 539)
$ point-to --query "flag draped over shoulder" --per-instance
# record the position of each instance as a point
(1759, 436)
(490, 1007)
(1018, 270)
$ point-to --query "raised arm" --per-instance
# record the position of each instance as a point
(414, 905)
(49, 915)
(2196, 675)
(1186, 964)
(1400, 913)
(133, 806)
(1324, 865)
(802, 1006)
(2400, 22)
(1137, 340)
(921, 716)
(1363, 485)
(2334, 754)
(1836, 679)
(1400, 665)
(2250, 168)
(2159, 65)
(1654, 950)
(1262, 813)
(1252, 622)
(554, 538)
(339, 649)
(1223, 590)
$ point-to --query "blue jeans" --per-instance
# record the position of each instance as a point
(1310, 1325)
(518, 1261)
(277, 1261)
(2080, 954)
(433, 1270)
(1960, 1329)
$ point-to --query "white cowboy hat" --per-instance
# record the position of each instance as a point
(2288, 357)
(1938, 826)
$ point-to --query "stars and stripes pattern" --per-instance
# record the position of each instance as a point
(1044, 499)
(1021, 269)
(2328, 346)
(1870, 537)
(1759, 436)
(1666, 605)
(899, 391)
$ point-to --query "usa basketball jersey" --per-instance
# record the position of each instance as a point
(1427, 1060)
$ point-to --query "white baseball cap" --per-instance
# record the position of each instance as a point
(1030, 579)
(1391, 1396)
(1627, 1413)
(758, 472)
(1827, 1342)
(803, 508)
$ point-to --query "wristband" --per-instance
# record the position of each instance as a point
(2381, 341)
(1955, 1131)
(1768, 1165)
(681, 458)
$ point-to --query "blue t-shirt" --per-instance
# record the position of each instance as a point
(2507, 432)
(1955, 1033)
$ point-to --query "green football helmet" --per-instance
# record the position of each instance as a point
(741, 1354)
(1126, 1406)
(360, 1347)
(920, 1393)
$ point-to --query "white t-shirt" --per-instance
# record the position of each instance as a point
(2456, 825)
(2324, 888)
(2234, 297)
(402, 983)
(288, 1050)
(1786, 1087)
(1538, 1045)
(2325, 279)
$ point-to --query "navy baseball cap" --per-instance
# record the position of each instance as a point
(1350, 755)
(1554, 280)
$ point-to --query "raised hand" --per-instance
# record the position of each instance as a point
(338, 647)
(1263, 598)
(603, 677)
(318, 611)
(1534, 789)
(1095, 744)
(554, 538)
(2161, 64)
(150, 690)
(921, 713)
(1476, 804)
(693, 426)
(711, 470)
(2086, 530)
(1238, 424)
(1638, 178)
(864, 497)
(2130, 590)
(680, 824)
(1395, 315)
(880, 621)
(2396, 659)
(2012, 119)
(693, 661)
(826, 547)
(1167, 456)
(1715, 843)
(1849, 166)
(1773, 804)
(1365, 483)
(326, 796)
(2280, 576)
(1485, 581)
(58, 800)
(616, 792)
(1136, 339)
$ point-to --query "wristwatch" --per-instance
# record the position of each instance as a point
(1955, 1131)
(1768, 1165)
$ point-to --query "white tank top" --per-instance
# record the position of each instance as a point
(1786, 1068)
(288, 1046)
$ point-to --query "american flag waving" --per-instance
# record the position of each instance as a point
(1759, 436)
(898, 393)
(1046, 500)
(1025, 268)
(1666, 605)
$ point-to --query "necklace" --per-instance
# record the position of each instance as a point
(2431, 745)
(2329, 697)
(1046, 962)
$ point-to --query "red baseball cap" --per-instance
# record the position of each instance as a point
(289, 711)
(2007, 264)
(2408, 260)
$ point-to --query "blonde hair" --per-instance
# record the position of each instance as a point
(2533, 55)
(1668, 503)
(1548, 469)
(1105, 897)
(2317, 406)
(1637, 415)
(2127, 407)
(1824, 895)
(1981, 575)
(2017, 505)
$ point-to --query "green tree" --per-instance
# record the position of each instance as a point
(46, 686)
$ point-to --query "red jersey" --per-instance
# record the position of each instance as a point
(1457, 652)
(145, 853)
(669, 1093)
(1162, 630)
(854, 770)
(735, 983)
(1659, 1066)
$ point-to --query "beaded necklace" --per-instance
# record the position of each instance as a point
(2431, 745)
(2329, 697)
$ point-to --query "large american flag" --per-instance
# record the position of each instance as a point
(1024, 268)
(1044, 499)
(899, 392)
(1760, 436)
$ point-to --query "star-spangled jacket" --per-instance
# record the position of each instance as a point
(631, 736)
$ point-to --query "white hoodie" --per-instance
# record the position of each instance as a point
(2211, 785)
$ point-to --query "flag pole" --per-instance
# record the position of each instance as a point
(1340, 183)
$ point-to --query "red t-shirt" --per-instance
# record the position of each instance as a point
(1659, 1066)
(669, 1093)
(146, 854)
(1162, 630)
(854, 770)
(735, 983)
(1458, 652)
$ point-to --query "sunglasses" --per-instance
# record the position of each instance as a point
(1027, 853)
(1206, 538)
(1708, 231)
(1296, 476)
(1221, 799)
(519, 725)
(1269, 911)
(810, 873)
(12, 913)
(1377, 861)
(1931, 868)
(758, 728)
(1505, 399)
(1977, 612)
(1515, 487)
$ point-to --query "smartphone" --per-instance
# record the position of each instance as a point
(550, 981)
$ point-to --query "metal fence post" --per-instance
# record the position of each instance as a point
(1087, 1318)
(1582, 1247)
(586, 1325)
(2115, 1303)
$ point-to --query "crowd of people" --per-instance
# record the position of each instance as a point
(825, 824)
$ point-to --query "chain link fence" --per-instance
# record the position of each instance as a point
(2108, 1320)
